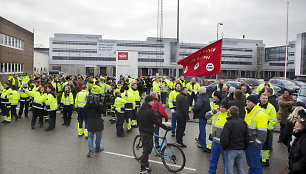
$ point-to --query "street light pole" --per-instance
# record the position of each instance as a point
(219, 23)
(286, 58)
(177, 39)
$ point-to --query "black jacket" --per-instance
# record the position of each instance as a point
(297, 157)
(146, 119)
(182, 107)
(288, 131)
(92, 113)
(201, 106)
(240, 103)
(235, 134)
(273, 100)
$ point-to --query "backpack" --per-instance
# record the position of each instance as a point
(156, 112)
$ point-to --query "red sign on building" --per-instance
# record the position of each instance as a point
(122, 55)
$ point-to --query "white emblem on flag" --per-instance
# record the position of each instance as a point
(186, 69)
(210, 67)
(196, 66)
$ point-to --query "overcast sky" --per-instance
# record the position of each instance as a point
(137, 19)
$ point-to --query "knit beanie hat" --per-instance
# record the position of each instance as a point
(218, 94)
(253, 98)
(149, 98)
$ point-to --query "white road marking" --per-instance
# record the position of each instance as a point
(157, 162)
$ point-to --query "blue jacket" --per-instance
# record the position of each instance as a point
(201, 106)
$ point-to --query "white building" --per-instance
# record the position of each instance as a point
(300, 55)
(41, 60)
(92, 55)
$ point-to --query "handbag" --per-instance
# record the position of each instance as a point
(157, 113)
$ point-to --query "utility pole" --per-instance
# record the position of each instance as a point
(286, 58)
(177, 39)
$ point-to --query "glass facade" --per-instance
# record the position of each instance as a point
(275, 53)
(303, 55)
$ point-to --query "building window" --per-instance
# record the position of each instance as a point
(11, 42)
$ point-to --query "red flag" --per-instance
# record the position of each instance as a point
(204, 62)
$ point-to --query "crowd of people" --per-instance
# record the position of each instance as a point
(241, 123)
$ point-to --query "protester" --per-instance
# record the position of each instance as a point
(234, 140)
(220, 118)
(200, 108)
(172, 106)
(239, 101)
(145, 121)
(285, 103)
(163, 114)
(289, 127)
(257, 125)
(297, 157)
(51, 105)
(95, 126)
(182, 109)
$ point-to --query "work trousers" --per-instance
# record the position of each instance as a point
(192, 97)
(37, 113)
(119, 123)
(67, 112)
(164, 97)
(52, 119)
(13, 111)
(252, 154)
(181, 126)
(24, 105)
(147, 144)
(216, 150)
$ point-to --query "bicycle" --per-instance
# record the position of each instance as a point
(172, 156)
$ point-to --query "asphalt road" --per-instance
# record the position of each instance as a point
(23, 150)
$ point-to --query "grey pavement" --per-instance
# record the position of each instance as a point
(23, 150)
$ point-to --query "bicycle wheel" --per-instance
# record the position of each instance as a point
(173, 158)
(137, 147)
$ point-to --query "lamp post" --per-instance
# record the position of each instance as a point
(286, 58)
(219, 23)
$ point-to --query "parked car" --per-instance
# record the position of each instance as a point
(250, 81)
(277, 91)
(285, 84)
(301, 95)
(299, 83)
(210, 88)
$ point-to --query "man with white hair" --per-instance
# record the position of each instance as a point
(200, 108)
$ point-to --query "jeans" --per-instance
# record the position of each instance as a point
(252, 154)
(156, 131)
(173, 123)
(98, 141)
(233, 158)
(216, 150)
(281, 133)
(202, 134)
